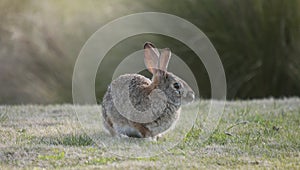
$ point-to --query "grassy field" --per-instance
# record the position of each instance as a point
(251, 134)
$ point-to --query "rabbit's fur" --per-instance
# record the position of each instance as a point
(135, 106)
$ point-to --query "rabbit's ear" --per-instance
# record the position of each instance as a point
(151, 57)
(164, 59)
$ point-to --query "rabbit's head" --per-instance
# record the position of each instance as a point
(176, 90)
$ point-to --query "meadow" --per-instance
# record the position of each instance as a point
(258, 44)
(250, 134)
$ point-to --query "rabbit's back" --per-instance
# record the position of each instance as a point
(126, 88)
(130, 88)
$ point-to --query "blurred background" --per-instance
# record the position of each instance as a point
(257, 40)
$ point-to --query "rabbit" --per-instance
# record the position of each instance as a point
(155, 103)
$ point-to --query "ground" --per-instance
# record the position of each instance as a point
(250, 134)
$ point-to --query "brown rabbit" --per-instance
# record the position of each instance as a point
(135, 106)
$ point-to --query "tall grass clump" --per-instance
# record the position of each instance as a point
(40, 41)
(258, 42)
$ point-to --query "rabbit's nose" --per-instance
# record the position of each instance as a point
(190, 96)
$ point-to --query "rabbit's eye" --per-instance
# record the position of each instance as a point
(176, 85)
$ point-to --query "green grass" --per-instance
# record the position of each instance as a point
(254, 134)
(69, 140)
(58, 155)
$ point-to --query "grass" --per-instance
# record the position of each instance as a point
(255, 134)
